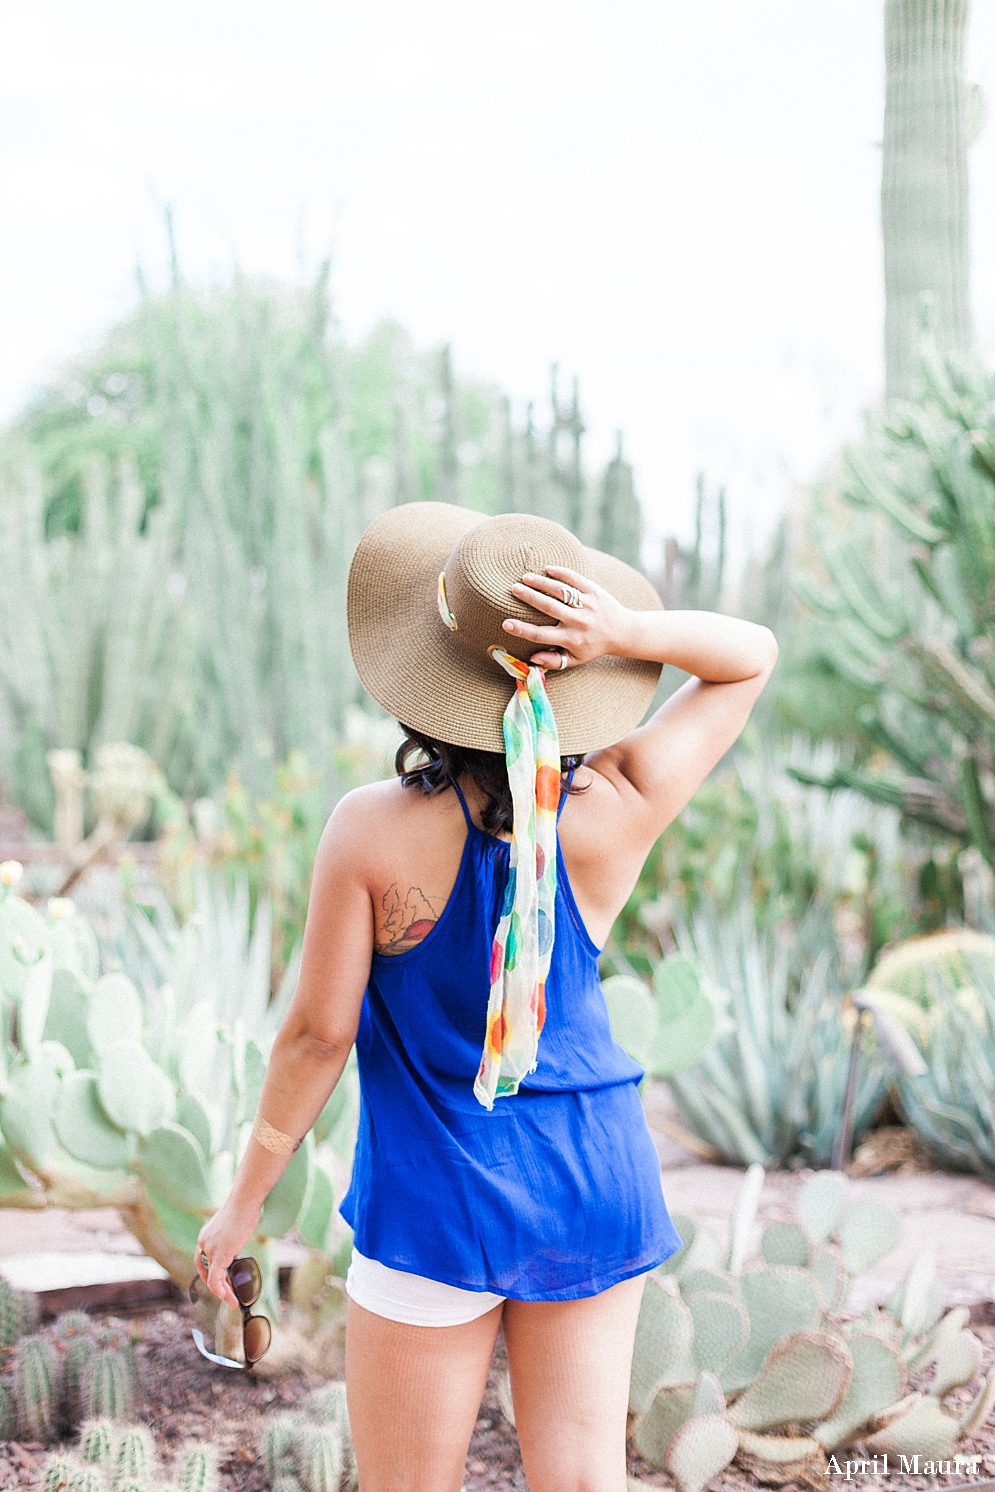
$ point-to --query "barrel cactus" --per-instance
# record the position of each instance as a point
(108, 1387)
(197, 1468)
(759, 1364)
(37, 1384)
(313, 1449)
(940, 994)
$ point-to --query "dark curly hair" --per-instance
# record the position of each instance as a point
(445, 764)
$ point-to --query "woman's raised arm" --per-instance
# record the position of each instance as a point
(657, 768)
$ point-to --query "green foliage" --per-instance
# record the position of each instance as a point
(160, 1086)
(668, 1026)
(907, 612)
(942, 992)
(178, 514)
(794, 1377)
(771, 1087)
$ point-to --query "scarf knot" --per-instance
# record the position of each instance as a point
(523, 942)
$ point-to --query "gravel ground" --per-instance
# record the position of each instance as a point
(184, 1397)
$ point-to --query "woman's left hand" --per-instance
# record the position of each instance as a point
(597, 625)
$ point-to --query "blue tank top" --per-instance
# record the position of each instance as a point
(554, 1194)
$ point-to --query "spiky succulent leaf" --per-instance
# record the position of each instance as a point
(978, 1411)
(744, 1213)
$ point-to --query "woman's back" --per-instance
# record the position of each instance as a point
(563, 1146)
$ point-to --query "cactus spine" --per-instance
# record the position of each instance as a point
(318, 1453)
(198, 1469)
(87, 1479)
(36, 1387)
(108, 1389)
(10, 1314)
(96, 1442)
(59, 1473)
(134, 1455)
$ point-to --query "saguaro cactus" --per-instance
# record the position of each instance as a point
(930, 116)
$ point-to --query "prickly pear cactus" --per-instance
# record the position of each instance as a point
(115, 1096)
(754, 1360)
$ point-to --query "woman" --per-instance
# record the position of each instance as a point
(504, 1175)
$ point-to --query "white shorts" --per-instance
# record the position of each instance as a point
(412, 1298)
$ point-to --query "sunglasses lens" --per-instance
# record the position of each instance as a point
(246, 1281)
(257, 1336)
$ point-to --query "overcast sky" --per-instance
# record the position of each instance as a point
(677, 199)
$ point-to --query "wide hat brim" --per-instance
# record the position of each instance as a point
(423, 674)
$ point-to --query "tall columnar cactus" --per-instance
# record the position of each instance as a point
(930, 119)
(36, 1388)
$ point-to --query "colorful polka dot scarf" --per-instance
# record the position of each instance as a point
(523, 943)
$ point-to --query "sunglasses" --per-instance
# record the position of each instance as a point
(257, 1333)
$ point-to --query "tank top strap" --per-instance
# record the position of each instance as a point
(462, 802)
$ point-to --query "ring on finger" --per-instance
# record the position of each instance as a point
(572, 596)
(205, 1260)
(564, 662)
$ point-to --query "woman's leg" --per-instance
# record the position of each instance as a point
(414, 1393)
(570, 1362)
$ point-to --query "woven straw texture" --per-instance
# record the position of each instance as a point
(445, 683)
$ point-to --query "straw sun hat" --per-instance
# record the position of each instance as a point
(443, 681)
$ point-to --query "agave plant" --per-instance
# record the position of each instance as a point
(139, 1093)
(772, 1088)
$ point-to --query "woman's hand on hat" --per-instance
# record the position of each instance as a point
(595, 626)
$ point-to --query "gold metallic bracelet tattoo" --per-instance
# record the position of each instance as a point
(272, 1139)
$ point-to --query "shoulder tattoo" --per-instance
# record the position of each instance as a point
(405, 919)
